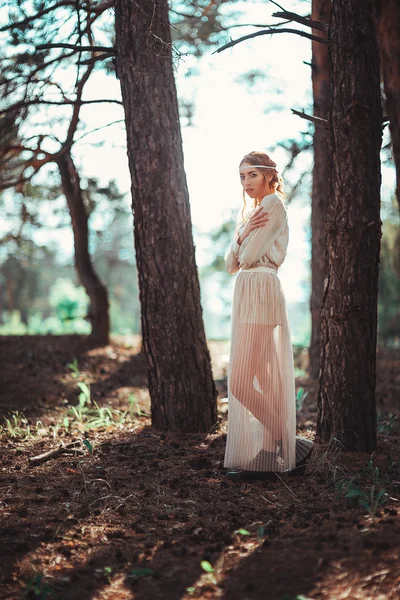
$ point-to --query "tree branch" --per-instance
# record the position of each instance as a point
(98, 9)
(56, 103)
(109, 49)
(276, 4)
(309, 36)
(34, 162)
(316, 120)
(99, 128)
(77, 107)
(302, 20)
(96, 58)
(220, 28)
(37, 15)
(62, 449)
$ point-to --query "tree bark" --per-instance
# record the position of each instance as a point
(346, 397)
(88, 277)
(181, 385)
(387, 21)
(321, 83)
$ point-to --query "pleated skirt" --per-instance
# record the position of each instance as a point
(261, 384)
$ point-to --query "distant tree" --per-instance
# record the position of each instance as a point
(28, 84)
(40, 207)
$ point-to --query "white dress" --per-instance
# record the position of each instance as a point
(261, 383)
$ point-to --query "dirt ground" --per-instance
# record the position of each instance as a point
(148, 515)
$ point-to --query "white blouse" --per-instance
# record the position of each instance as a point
(264, 246)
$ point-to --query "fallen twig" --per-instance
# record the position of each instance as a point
(62, 449)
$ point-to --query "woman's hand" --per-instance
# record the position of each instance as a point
(258, 219)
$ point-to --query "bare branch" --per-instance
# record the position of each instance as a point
(37, 15)
(302, 20)
(95, 58)
(316, 120)
(99, 128)
(77, 107)
(38, 101)
(251, 25)
(184, 15)
(109, 49)
(62, 449)
(276, 4)
(98, 9)
(34, 162)
(271, 31)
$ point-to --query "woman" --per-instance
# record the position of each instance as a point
(261, 388)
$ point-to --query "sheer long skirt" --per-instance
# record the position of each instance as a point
(261, 384)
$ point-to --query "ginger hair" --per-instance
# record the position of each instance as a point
(276, 183)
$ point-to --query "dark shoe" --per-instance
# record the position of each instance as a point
(244, 475)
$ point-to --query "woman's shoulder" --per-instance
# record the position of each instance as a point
(272, 200)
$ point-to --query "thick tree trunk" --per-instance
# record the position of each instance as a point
(95, 289)
(387, 19)
(321, 82)
(181, 386)
(346, 398)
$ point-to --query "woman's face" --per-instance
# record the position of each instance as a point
(253, 181)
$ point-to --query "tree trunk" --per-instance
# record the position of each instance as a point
(321, 83)
(346, 397)
(95, 289)
(181, 386)
(387, 20)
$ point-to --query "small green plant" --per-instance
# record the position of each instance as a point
(88, 445)
(66, 423)
(17, 426)
(387, 423)
(243, 531)
(84, 396)
(370, 501)
(37, 587)
(107, 573)
(103, 418)
(106, 416)
(370, 498)
(208, 568)
(300, 372)
(74, 368)
(134, 407)
(84, 401)
(342, 483)
(300, 397)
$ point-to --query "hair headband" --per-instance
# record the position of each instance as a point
(258, 167)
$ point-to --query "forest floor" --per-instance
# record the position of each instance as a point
(148, 515)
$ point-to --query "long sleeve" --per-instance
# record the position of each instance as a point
(261, 240)
(232, 256)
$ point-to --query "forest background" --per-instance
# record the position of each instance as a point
(230, 103)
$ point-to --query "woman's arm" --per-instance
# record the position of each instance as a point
(231, 256)
(261, 240)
